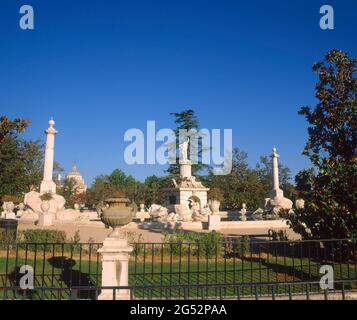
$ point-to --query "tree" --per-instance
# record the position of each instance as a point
(98, 191)
(32, 157)
(105, 185)
(265, 172)
(185, 120)
(119, 179)
(154, 186)
(68, 191)
(10, 128)
(21, 161)
(329, 188)
(242, 185)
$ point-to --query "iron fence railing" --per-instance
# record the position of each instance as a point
(178, 270)
(294, 291)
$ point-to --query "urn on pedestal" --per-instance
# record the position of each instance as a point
(115, 250)
(117, 215)
(215, 196)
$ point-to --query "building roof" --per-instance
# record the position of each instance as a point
(74, 171)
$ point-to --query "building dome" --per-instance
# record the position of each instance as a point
(75, 175)
(74, 171)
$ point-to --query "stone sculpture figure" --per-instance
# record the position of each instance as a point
(195, 211)
(243, 212)
(184, 149)
(206, 211)
(8, 212)
(21, 210)
(157, 211)
(184, 212)
(300, 204)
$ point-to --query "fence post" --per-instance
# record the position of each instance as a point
(115, 267)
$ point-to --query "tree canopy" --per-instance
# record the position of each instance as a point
(21, 161)
(186, 120)
(329, 188)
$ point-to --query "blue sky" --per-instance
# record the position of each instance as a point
(102, 67)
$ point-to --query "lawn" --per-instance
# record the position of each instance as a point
(169, 271)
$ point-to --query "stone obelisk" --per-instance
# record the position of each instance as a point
(276, 192)
(47, 184)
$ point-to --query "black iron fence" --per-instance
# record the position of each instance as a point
(235, 268)
(294, 291)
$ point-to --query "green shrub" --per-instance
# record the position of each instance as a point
(204, 244)
(237, 247)
(43, 236)
(243, 246)
(46, 196)
(216, 194)
(6, 238)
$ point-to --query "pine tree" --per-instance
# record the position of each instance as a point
(185, 120)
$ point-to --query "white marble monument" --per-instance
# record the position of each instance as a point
(188, 191)
(277, 201)
(47, 184)
(33, 199)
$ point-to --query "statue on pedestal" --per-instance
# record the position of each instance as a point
(184, 150)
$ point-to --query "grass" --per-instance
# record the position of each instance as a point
(79, 269)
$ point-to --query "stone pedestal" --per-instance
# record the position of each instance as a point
(276, 193)
(48, 186)
(142, 216)
(45, 219)
(185, 168)
(115, 268)
(214, 222)
(9, 215)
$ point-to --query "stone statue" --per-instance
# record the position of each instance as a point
(206, 211)
(196, 215)
(184, 149)
(184, 212)
(243, 212)
(194, 182)
(21, 210)
(8, 212)
(300, 204)
(157, 211)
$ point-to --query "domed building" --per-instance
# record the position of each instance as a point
(74, 175)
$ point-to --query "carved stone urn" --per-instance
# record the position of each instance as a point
(117, 215)
(214, 206)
